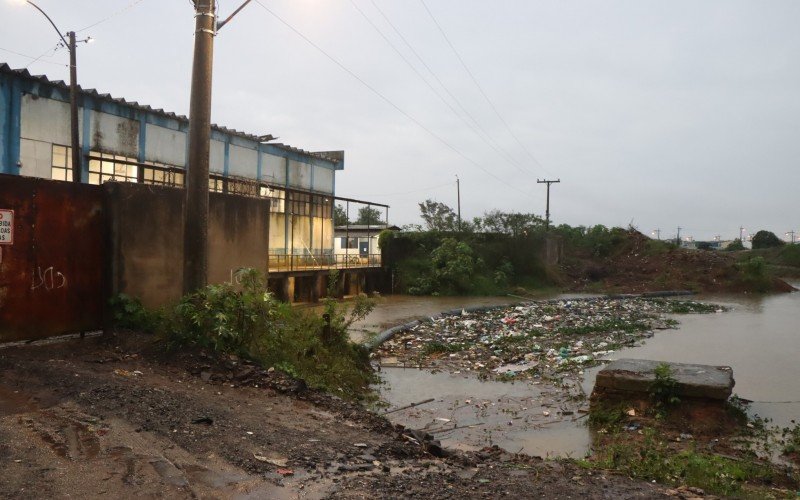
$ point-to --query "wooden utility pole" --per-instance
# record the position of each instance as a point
(547, 209)
(195, 231)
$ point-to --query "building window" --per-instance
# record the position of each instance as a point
(108, 167)
(160, 174)
(216, 184)
(61, 169)
(277, 198)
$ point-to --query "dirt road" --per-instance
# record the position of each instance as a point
(118, 419)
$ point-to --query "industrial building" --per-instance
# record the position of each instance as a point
(130, 142)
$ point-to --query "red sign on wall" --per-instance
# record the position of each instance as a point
(6, 227)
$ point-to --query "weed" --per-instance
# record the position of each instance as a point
(664, 389)
(129, 313)
(439, 347)
(653, 460)
(791, 439)
(250, 322)
(686, 306)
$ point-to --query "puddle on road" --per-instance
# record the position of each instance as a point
(470, 414)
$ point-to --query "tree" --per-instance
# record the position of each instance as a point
(735, 245)
(766, 239)
(340, 216)
(369, 216)
(438, 216)
(512, 223)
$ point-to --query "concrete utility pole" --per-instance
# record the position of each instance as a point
(73, 92)
(678, 238)
(741, 234)
(791, 237)
(657, 232)
(458, 194)
(195, 231)
(547, 209)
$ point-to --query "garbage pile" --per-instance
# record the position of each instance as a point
(541, 340)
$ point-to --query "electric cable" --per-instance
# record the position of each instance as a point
(115, 14)
(389, 101)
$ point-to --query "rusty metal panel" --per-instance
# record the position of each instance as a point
(52, 277)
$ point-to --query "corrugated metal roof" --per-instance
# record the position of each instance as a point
(24, 73)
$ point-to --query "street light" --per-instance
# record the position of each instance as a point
(73, 90)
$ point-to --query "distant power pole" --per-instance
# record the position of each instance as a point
(741, 234)
(547, 209)
(458, 194)
(678, 238)
(657, 232)
(791, 236)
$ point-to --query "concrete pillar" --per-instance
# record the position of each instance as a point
(288, 289)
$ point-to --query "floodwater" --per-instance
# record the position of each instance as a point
(759, 338)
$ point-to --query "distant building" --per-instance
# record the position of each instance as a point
(358, 243)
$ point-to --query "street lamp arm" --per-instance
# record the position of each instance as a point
(223, 23)
(66, 44)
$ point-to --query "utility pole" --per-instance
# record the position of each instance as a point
(73, 92)
(195, 228)
(741, 234)
(791, 239)
(547, 209)
(73, 109)
(195, 231)
(458, 194)
(678, 238)
(657, 232)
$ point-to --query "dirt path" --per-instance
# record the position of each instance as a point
(88, 419)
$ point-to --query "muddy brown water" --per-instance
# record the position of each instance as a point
(759, 338)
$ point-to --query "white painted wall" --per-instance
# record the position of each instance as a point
(113, 134)
(46, 120)
(216, 156)
(299, 174)
(323, 179)
(243, 162)
(273, 169)
(164, 145)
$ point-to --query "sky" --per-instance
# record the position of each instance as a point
(651, 113)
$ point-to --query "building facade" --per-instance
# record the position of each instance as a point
(129, 142)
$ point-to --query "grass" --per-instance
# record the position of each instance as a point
(605, 326)
(686, 306)
(436, 347)
(652, 459)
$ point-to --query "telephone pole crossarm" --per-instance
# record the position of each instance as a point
(547, 208)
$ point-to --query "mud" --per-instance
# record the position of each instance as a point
(94, 418)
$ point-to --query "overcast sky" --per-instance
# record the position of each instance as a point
(664, 113)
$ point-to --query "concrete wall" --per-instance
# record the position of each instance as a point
(146, 238)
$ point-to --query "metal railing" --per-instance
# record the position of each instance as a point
(312, 262)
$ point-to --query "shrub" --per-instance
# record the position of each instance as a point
(753, 274)
(735, 246)
(766, 239)
(664, 389)
(249, 322)
(129, 313)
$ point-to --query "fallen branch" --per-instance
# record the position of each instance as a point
(412, 405)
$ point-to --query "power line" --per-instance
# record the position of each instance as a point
(486, 137)
(115, 14)
(387, 100)
(32, 58)
(420, 190)
(478, 85)
(53, 50)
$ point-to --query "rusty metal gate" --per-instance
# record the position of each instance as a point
(52, 274)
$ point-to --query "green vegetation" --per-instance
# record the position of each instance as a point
(790, 255)
(791, 439)
(605, 326)
(246, 320)
(652, 459)
(128, 313)
(664, 389)
(766, 239)
(440, 347)
(735, 246)
(753, 273)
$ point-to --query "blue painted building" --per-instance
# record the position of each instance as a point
(129, 142)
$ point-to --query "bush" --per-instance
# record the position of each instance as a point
(128, 312)
(249, 322)
(735, 246)
(790, 255)
(753, 274)
(766, 239)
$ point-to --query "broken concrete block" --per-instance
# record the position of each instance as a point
(694, 381)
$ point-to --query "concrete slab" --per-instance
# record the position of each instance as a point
(694, 381)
